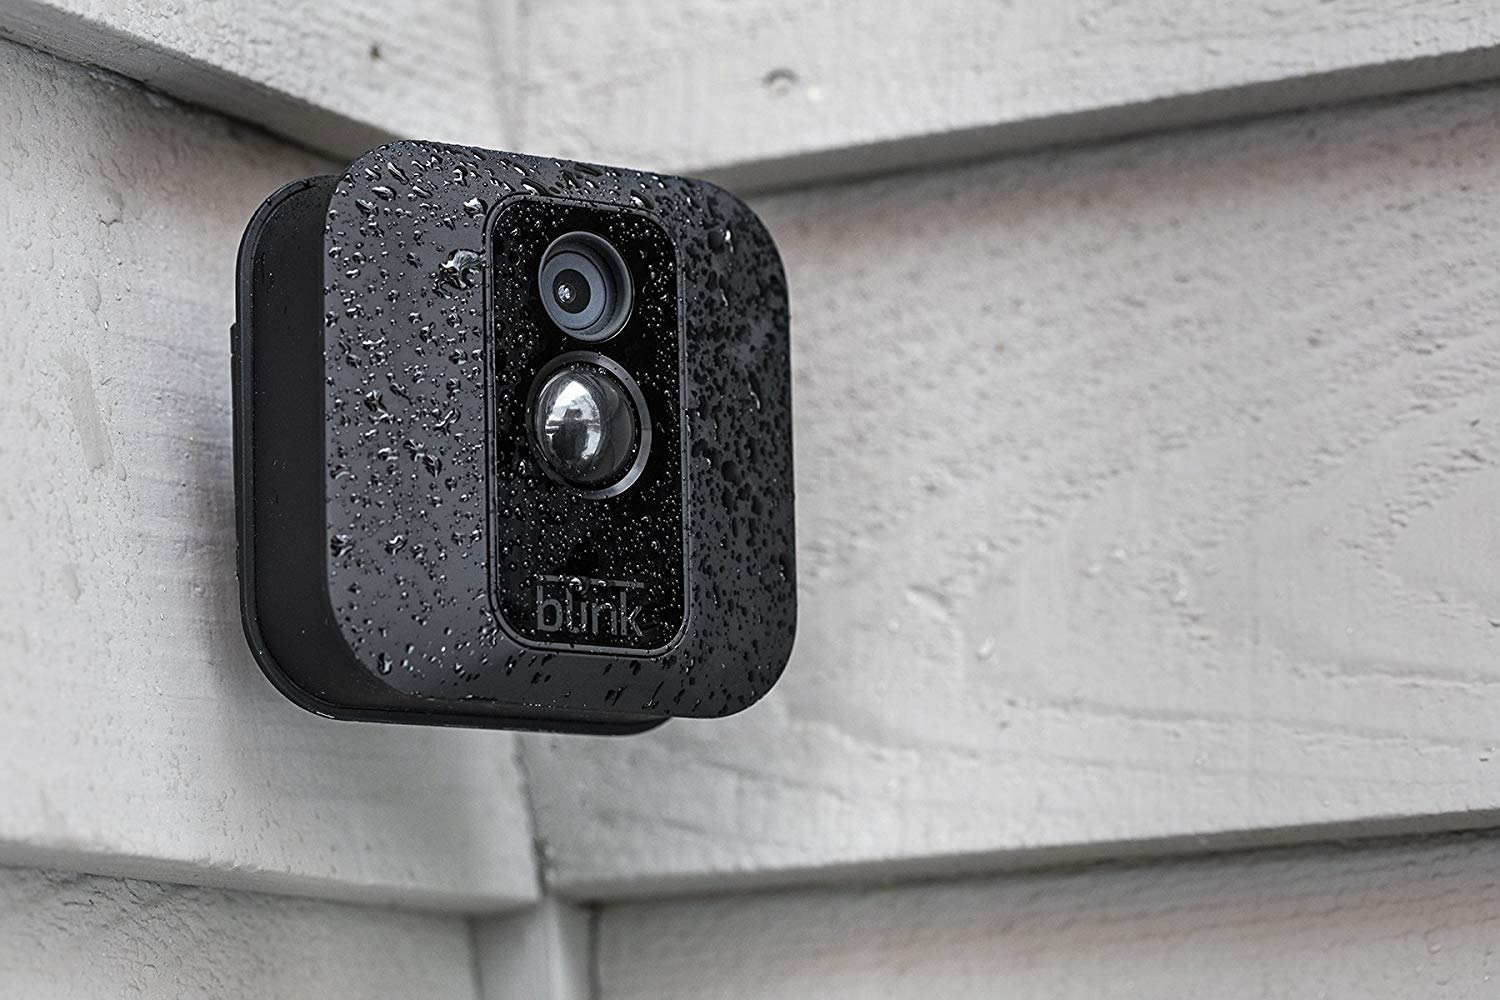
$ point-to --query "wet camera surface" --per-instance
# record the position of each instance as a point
(513, 444)
(587, 526)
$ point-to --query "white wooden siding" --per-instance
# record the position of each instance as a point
(762, 92)
(1398, 922)
(336, 75)
(771, 92)
(542, 953)
(1146, 493)
(1147, 501)
(137, 736)
(72, 937)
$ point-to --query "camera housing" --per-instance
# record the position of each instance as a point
(513, 444)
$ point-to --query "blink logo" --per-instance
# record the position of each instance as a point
(582, 606)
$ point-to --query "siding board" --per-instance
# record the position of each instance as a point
(1415, 920)
(339, 76)
(75, 937)
(762, 93)
(771, 93)
(1145, 494)
(137, 736)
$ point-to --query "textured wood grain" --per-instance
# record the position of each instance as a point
(761, 92)
(76, 937)
(136, 734)
(1146, 494)
(1384, 924)
(774, 92)
(338, 75)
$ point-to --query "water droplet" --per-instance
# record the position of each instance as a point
(461, 269)
(780, 81)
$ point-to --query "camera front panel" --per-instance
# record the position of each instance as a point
(583, 558)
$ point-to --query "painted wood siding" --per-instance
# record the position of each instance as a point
(1146, 501)
(137, 736)
(1146, 498)
(1393, 922)
(73, 937)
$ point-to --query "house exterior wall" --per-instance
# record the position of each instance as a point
(1145, 493)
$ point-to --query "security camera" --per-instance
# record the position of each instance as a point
(513, 444)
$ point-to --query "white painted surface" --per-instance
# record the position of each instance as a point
(137, 736)
(338, 75)
(1146, 500)
(762, 92)
(541, 953)
(74, 937)
(1146, 494)
(1398, 922)
(774, 92)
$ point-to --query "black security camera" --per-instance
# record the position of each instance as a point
(513, 444)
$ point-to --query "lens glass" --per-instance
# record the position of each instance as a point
(585, 286)
(586, 426)
(570, 289)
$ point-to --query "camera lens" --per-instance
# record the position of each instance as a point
(570, 290)
(585, 286)
(587, 424)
